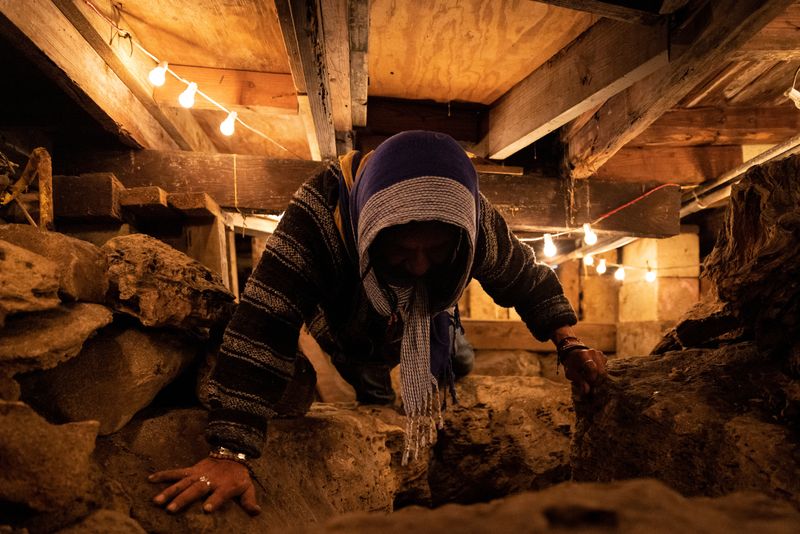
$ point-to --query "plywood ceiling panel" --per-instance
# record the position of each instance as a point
(468, 50)
(224, 34)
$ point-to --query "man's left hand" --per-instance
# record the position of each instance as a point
(585, 368)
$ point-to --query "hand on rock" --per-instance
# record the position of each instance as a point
(219, 480)
(585, 368)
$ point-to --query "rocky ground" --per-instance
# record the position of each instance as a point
(101, 348)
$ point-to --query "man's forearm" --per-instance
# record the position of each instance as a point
(562, 333)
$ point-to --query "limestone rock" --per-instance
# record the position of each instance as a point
(133, 365)
(81, 265)
(28, 282)
(105, 522)
(709, 323)
(332, 461)
(43, 340)
(9, 388)
(162, 286)
(507, 434)
(43, 466)
(506, 363)
(755, 265)
(632, 506)
(706, 422)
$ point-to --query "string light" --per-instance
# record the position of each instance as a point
(619, 274)
(650, 275)
(588, 260)
(601, 267)
(550, 249)
(228, 125)
(589, 237)
(186, 98)
(158, 76)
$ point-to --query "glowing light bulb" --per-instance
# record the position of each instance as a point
(550, 249)
(158, 75)
(601, 267)
(588, 260)
(186, 98)
(589, 237)
(650, 276)
(228, 124)
(619, 274)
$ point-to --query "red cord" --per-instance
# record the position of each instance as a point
(634, 201)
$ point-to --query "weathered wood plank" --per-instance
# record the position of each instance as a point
(606, 59)
(303, 36)
(335, 26)
(358, 22)
(717, 126)
(261, 183)
(90, 196)
(514, 335)
(681, 165)
(728, 25)
(534, 202)
(43, 34)
(642, 12)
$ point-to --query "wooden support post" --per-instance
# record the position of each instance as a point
(233, 269)
(45, 174)
(207, 242)
(359, 66)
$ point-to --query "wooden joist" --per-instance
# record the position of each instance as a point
(335, 25)
(514, 335)
(303, 36)
(641, 12)
(265, 92)
(533, 202)
(717, 126)
(777, 41)
(606, 59)
(722, 28)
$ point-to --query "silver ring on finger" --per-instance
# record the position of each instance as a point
(204, 479)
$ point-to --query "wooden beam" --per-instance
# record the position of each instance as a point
(388, 116)
(718, 126)
(606, 59)
(533, 202)
(514, 335)
(46, 37)
(196, 206)
(777, 41)
(303, 36)
(148, 205)
(359, 67)
(681, 165)
(725, 26)
(637, 12)
(259, 182)
(265, 92)
(91, 196)
(335, 26)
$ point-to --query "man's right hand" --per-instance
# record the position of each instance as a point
(219, 480)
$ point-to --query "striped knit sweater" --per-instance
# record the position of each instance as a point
(309, 274)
